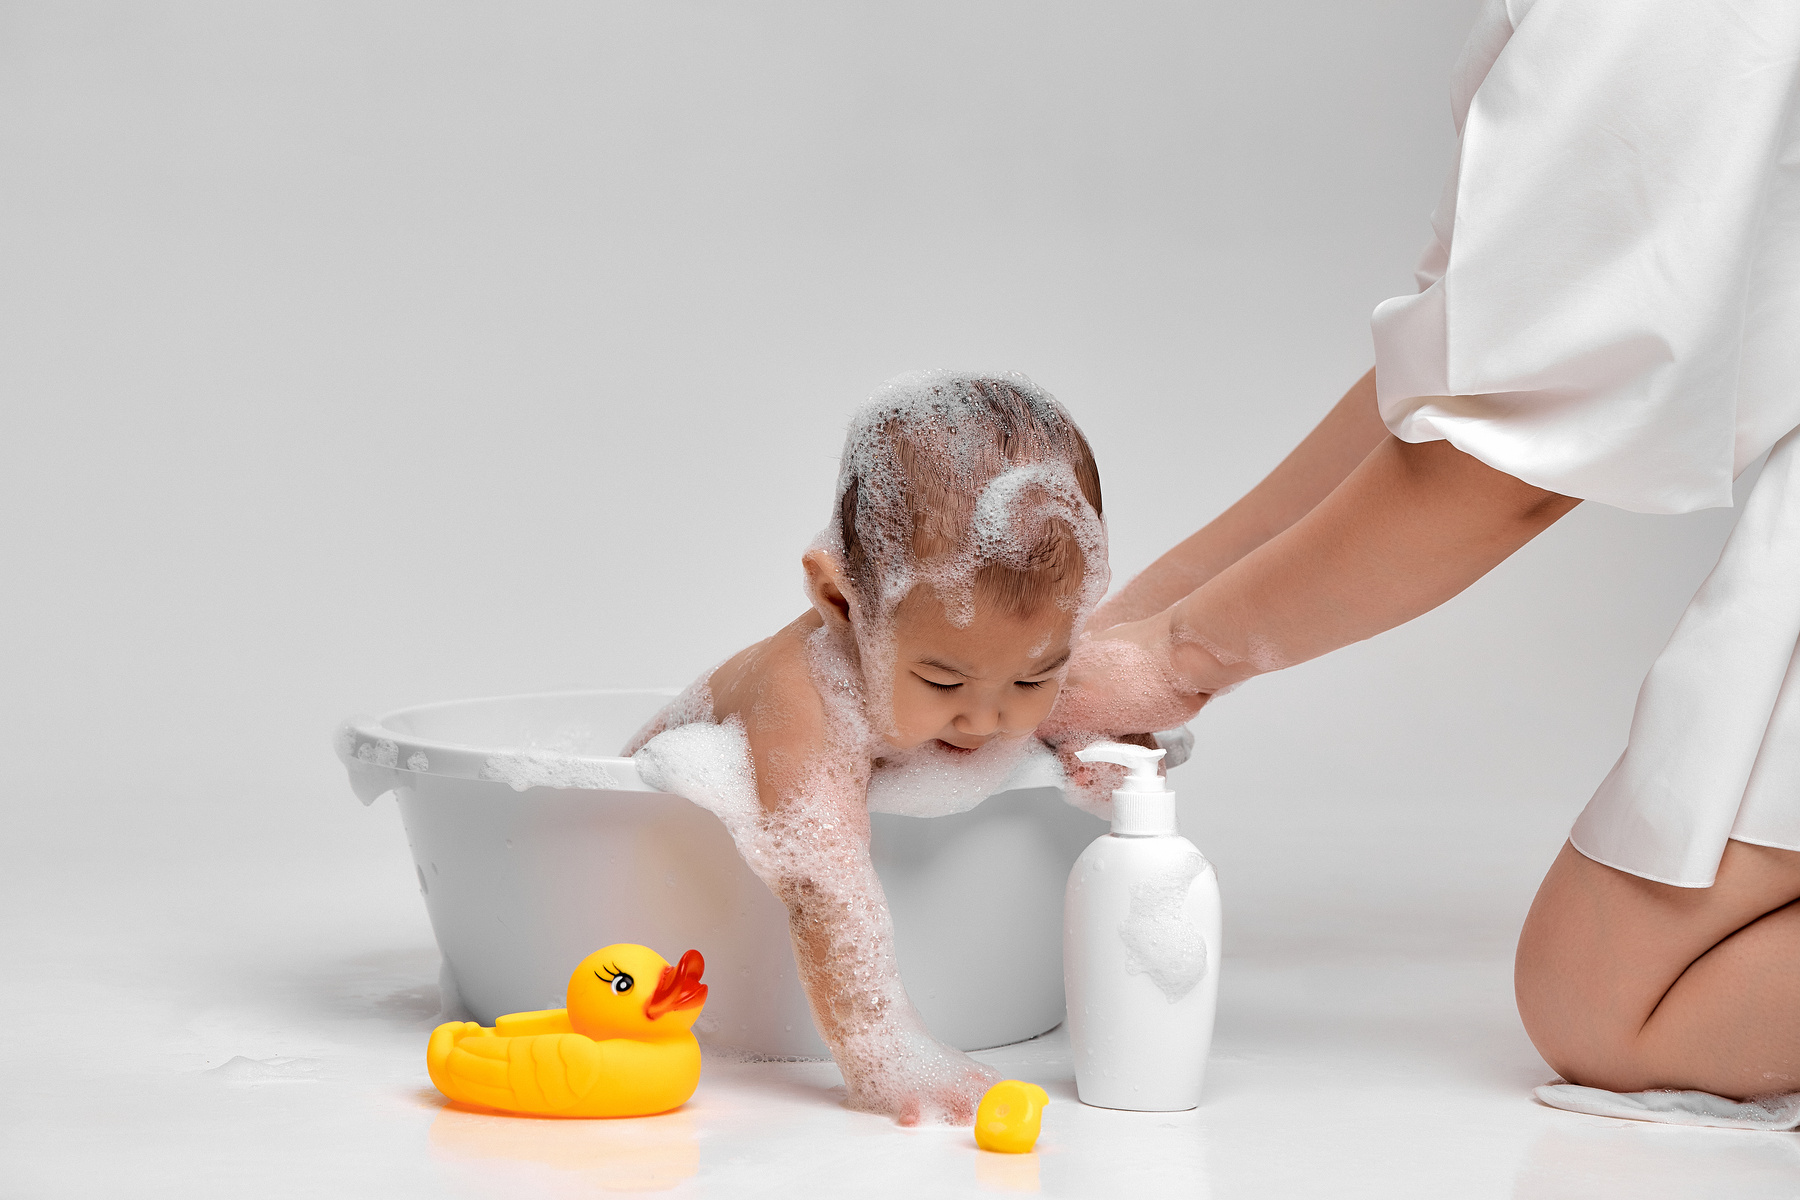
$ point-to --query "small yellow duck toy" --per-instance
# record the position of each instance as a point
(624, 1046)
(1009, 1117)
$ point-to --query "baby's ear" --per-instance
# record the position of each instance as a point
(825, 586)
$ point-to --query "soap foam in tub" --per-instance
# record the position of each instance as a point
(522, 769)
(929, 781)
(379, 753)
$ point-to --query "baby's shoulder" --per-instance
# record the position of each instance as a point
(770, 687)
(798, 742)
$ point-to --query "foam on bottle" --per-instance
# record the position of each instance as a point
(1160, 941)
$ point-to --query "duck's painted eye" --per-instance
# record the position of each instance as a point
(618, 980)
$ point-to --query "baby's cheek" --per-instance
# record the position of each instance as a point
(913, 722)
(1042, 701)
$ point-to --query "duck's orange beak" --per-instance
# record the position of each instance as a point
(679, 987)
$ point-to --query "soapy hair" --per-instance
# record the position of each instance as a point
(975, 484)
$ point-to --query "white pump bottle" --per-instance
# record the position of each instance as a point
(1140, 949)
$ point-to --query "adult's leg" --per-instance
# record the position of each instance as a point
(1627, 984)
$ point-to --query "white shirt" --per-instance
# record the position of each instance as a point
(1610, 309)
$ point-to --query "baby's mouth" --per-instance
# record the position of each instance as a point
(958, 749)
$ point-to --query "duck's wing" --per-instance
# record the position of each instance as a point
(444, 1040)
(528, 1024)
(545, 1073)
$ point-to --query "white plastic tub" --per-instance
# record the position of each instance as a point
(522, 884)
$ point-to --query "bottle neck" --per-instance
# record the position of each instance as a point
(1143, 814)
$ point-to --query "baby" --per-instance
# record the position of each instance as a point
(965, 550)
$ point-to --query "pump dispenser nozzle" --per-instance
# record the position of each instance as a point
(1144, 806)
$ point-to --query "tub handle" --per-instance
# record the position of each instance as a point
(370, 762)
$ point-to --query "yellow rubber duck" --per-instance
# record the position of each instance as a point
(1009, 1116)
(624, 1046)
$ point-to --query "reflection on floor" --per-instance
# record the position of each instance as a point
(294, 1067)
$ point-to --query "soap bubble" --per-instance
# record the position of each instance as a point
(1160, 940)
(523, 769)
(380, 753)
(930, 781)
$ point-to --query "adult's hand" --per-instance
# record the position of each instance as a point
(1120, 687)
(1122, 681)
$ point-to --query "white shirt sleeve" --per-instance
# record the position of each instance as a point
(1585, 299)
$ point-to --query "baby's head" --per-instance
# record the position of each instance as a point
(965, 549)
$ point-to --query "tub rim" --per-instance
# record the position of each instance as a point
(378, 757)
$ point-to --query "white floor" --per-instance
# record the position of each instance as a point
(183, 1021)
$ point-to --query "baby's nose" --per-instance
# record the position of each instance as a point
(979, 722)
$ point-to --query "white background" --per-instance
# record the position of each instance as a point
(360, 355)
(373, 354)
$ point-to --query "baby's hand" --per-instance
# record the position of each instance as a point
(927, 1083)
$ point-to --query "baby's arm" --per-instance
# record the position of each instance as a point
(694, 704)
(812, 776)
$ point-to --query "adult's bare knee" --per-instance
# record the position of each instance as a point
(1584, 980)
(1626, 984)
(1582, 1038)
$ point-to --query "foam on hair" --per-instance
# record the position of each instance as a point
(965, 480)
(979, 486)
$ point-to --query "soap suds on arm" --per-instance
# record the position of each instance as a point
(803, 828)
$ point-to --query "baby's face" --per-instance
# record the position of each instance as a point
(965, 685)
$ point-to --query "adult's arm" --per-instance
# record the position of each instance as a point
(1410, 527)
(1306, 476)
